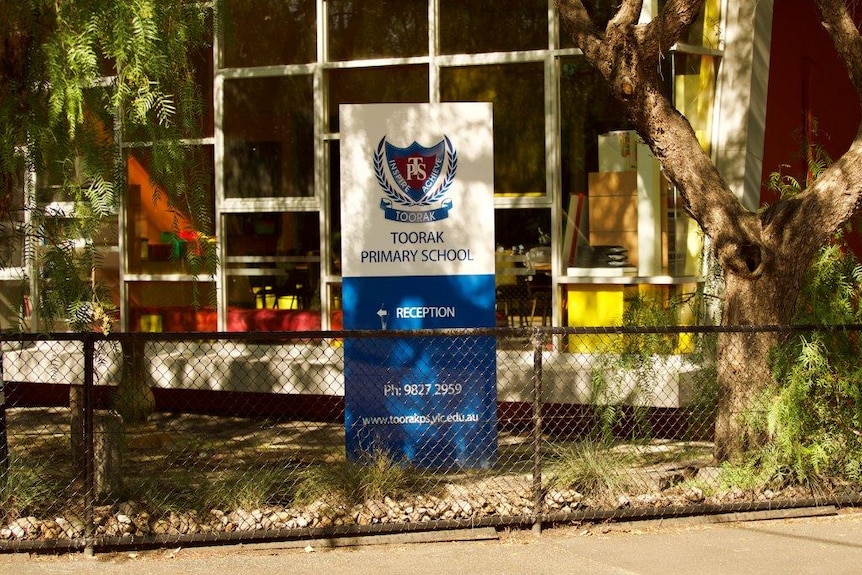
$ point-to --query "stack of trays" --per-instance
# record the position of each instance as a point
(603, 256)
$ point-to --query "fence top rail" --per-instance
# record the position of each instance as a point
(293, 337)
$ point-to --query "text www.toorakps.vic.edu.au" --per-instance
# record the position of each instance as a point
(421, 419)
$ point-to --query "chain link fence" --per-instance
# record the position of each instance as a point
(145, 439)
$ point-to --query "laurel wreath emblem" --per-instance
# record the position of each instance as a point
(397, 195)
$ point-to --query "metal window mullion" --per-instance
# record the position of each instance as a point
(218, 183)
(553, 180)
(433, 49)
(322, 159)
(122, 221)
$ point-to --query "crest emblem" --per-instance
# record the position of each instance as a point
(415, 180)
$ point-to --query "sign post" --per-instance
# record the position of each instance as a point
(417, 227)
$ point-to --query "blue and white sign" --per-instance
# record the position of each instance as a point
(417, 229)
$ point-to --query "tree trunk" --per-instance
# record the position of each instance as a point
(744, 373)
(134, 399)
(76, 429)
(743, 378)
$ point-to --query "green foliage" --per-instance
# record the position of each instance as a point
(593, 469)
(813, 411)
(644, 311)
(351, 482)
(24, 488)
(81, 79)
(621, 382)
(177, 489)
(254, 488)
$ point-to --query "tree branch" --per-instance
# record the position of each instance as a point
(845, 37)
(579, 24)
(628, 14)
(669, 25)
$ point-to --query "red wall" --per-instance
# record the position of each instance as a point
(807, 82)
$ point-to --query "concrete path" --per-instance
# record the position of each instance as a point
(813, 545)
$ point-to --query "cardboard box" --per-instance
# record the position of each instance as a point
(613, 207)
(618, 151)
(612, 184)
(613, 213)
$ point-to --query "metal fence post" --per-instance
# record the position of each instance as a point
(89, 444)
(538, 494)
(4, 438)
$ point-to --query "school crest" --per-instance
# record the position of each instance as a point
(415, 180)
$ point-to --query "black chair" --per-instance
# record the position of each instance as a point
(539, 292)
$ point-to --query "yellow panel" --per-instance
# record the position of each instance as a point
(694, 248)
(595, 306)
(685, 315)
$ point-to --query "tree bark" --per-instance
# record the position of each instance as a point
(134, 399)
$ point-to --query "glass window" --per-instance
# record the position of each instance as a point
(269, 137)
(600, 12)
(473, 26)
(186, 306)
(391, 84)
(203, 68)
(334, 151)
(523, 265)
(12, 223)
(694, 92)
(268, 32)
(77, 275)
(522, 229)
(175, 238)
(273, 260)
(94, 141)
(517, 92)
(15, 306)
(193, 102)
(587, 110)
(706, 29)
(378, 29)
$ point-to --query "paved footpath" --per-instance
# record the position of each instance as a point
(813, 545)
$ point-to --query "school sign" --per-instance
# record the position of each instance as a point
(417, 236)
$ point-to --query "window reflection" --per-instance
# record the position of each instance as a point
(694, 89)
(474, 26)
(12, 230)
(706, 29)
(516, 90)
(94, 140)
(272, 263)
(162, 306)
(587, 109)
(377, 28)
(169, 238)
(194, 114)
(268, 32)
(269, 137)
(272, 234)
(334, 264)
(392, 84)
